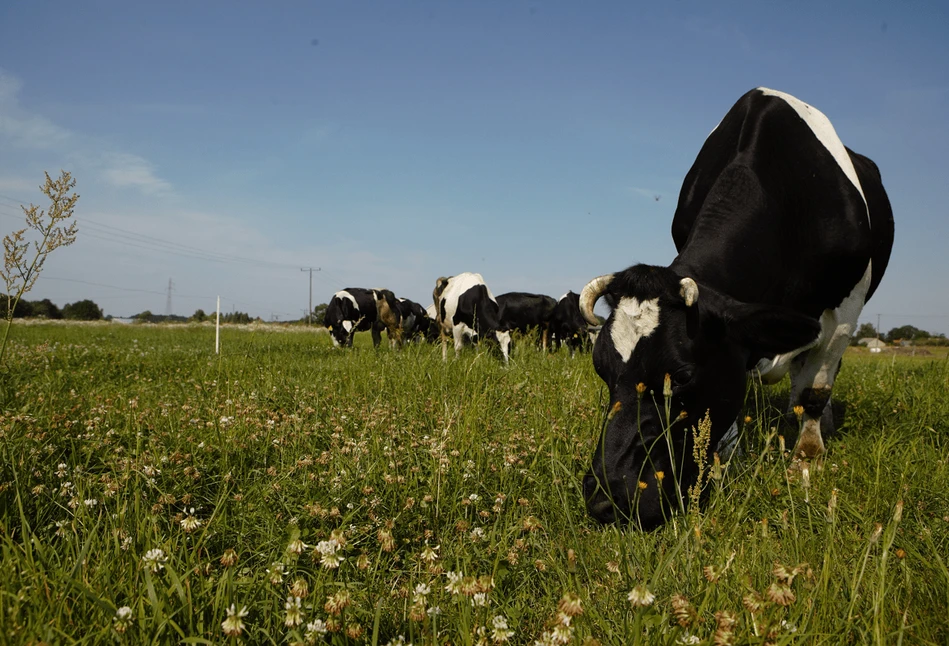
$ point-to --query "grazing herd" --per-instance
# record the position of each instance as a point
(463, 308)
(782, 233)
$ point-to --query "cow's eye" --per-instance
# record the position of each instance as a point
(682, 378)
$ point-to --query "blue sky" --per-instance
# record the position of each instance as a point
(390, 143)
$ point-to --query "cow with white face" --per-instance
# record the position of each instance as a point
(782, 235)
(464, 306)
(355, 309)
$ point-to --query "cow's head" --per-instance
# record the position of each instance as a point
(664, 324)
(341, 332)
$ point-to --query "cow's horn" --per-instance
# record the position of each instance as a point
(591, 294)
(689, 291)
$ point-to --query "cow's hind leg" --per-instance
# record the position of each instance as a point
(813, 372)
(458, 332)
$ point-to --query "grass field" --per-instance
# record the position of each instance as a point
(289, 492)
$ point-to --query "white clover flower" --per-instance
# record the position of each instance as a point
(190, 522)
(499, 630)
(474, 497)
(314, 631)
(154, 559)
(479, 599)
(422, 590)
(454, 582)
(90, 502)
(232, 625)
(434, 611)
(429, 554)
(640, 597)
(61, 470)
(296, 546)
(122, 619)
(294, 616)
(329, 553)
(561, 634)
(275, 573)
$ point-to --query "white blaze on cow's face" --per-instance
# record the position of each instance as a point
(504, 339)
(633, 320)
(348, 326)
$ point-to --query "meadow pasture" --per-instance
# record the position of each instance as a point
(289, 492)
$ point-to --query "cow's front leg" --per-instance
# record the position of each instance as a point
(376, 336)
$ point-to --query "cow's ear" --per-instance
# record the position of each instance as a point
(767, 329)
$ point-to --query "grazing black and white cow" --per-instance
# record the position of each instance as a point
(567, 325)
(432, 333)
(782, 234)
(355, 309)
(522, 312)
(465, 306)
(415, 320)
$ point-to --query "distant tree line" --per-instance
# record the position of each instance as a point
(907, 333)
(84, 310)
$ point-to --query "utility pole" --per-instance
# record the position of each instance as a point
(309, 312)
(168, 300)
(878, 326)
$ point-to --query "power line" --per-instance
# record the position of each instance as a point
(125, 237)
(149, 291)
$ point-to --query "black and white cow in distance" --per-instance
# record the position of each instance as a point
(415, 320)
(567, 325)
(355, 309)
(523, 312)
(782, 234)
(465, 306)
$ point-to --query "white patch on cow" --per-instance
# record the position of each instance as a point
(432, 311)
(347, 296)
(348, 326)
(562, 297)
(837, 326)
(459, 332)
(825, 133)
(633, 321)
(458, 285)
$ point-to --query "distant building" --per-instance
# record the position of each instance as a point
(874, 344)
